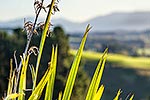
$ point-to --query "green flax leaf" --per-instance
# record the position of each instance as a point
(32, 73)
(100, 73)
(74, 68)
(50, 84)
(22, 83)
(12, 96)
(97, 77)
(10, 86)
(98, 95)
(36, 94)
(118, 94)
(60, 96)
(43, 38)
(132, 97)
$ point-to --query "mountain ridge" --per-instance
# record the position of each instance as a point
(132, 21)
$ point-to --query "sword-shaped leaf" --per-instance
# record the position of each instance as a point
(74, 68)
(132, 97)
(12, 96)
(50, 84)
(60, 96)
(97, 77)
(10, 83)
(118, 94)
(22, 83)
(43, 38)
(99, 93)
(32, 73)
(36, 94)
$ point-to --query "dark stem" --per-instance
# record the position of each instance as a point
(26, 49)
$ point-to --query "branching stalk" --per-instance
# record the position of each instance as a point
(26, 49)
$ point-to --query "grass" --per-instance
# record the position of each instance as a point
(144, 51)
(118, 59)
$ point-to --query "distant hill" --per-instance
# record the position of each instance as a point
(136, 21)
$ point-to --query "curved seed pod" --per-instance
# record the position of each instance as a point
(33, 50)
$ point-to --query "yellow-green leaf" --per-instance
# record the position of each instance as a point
(74, 68)
(10, 83)
(132, 97)
(22, 83)
(32, 73)
(118, 94)
(60, 96)
(100, 72)
(36, 94)
(50, 84)
(99, 93)
(12, 96)
(97, 77)
(43, 38)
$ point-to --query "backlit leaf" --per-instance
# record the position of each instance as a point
(74, 68)
(93, 88)
(118, 94)
(99, 93)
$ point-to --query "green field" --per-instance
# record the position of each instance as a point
(143, 51)
(118, 59)
(125, 72)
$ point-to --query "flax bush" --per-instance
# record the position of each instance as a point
(18, 76)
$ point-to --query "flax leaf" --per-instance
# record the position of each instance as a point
(118, 94)
(98, 95)
(43, 38)
(97, 77)
(22, 83)
(74, 68)
(50, 84)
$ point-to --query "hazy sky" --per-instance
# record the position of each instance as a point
(75, 10)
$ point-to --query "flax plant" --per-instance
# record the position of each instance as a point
(17, 78)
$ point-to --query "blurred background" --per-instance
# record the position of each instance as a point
(121, 25)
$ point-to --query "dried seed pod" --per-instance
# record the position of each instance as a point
(41, 26)
(38, 5)
(28, 27)
(16, 63)
(49, 33)
(49, 63)
(55, 7)
(33, 50)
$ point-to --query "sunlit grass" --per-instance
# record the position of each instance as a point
(118, 59)
(143, 51)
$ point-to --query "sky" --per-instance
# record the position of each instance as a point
(74, 10)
